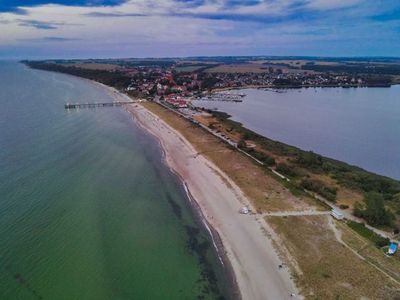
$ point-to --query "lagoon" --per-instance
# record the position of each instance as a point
(360, 126)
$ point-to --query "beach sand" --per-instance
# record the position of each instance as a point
(254, 260)
(245, 240)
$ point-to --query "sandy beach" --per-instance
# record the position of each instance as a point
(254, 260)
(245, 238)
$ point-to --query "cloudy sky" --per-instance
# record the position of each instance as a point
(154, 28)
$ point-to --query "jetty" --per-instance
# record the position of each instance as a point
(226, 97)
(94, 105)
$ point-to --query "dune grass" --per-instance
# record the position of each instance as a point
(329, 269)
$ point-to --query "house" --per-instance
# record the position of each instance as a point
(337, 214)
(176, 101)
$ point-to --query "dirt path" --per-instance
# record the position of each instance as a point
(338, 236)
(295, 213)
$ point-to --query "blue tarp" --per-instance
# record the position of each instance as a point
(393, 248)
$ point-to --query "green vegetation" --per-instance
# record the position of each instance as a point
(264, 158)
(368, 234)
(282, 82)
(115, 79)
(189, 68)
(358, 68)
(287, 170)
(300, 163)
(208, 80)
(374, 212)
(320, 188)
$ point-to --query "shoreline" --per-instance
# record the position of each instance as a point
(234, 291)
(296, 87)
(247, 250)
(233, 288)
(286, 144)
(266, 282)
(194, 201)
(200, 217)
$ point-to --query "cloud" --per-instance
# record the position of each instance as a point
(14, 6)
(50, 39)
(113, 14)
(47, 25)
(211, 27)
(332, 4)
(387, 16)
(39, 24)
(59, 39)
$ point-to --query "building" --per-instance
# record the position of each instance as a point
(176, 101)
(337, 214)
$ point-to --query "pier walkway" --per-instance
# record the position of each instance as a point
(94, 105)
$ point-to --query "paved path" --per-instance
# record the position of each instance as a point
(296, 213)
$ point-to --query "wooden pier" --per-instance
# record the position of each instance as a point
(94, 105)
(225, 97)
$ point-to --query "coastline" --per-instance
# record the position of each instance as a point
(204, 217)
(249, 255)
(239, 234)
(196, 205)
(295, 87)
(234, 291)
(233, 287)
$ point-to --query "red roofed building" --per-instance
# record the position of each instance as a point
(176, 101)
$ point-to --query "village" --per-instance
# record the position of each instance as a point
(178, 87)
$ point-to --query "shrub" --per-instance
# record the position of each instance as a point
(242, 144)
(374, 212)
(320, 188)
(285, 169)
(309, 160)
(368, 234)
(266, 159)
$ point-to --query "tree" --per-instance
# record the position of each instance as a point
(285, 169)
(375, 212)
(242, 143)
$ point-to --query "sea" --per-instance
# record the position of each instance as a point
(360, 126)
(88, 209)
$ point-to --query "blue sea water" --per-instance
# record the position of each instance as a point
(88, 210)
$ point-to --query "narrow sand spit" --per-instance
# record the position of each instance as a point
(253, 258)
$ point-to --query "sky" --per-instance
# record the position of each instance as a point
(38, 29)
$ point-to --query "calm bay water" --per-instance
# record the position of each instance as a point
(360, 126)
(87, 209)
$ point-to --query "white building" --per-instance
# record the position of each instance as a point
(337, 214)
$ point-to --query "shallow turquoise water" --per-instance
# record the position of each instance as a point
(87, 208)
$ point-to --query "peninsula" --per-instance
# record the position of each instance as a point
(284, 243)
